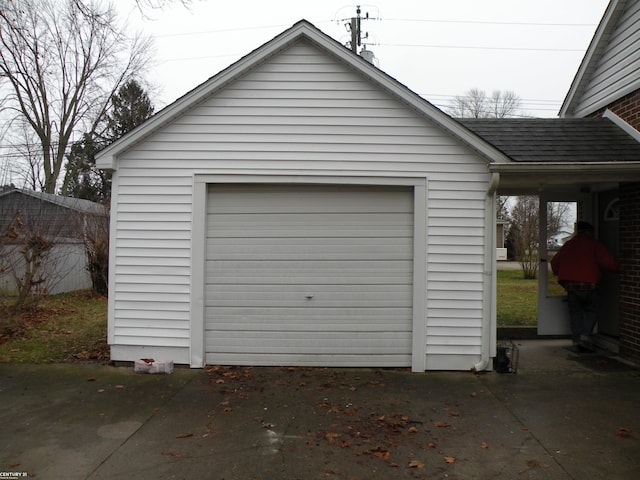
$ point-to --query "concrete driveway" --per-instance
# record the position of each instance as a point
(562, 416)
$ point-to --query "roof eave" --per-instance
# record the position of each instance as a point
(591, 168)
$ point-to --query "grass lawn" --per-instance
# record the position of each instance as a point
(63, 328)
(517, 299)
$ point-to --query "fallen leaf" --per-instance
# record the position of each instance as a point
(431, 445)
(383, 454)
(624, 432)
(331, 436)
(101, 390)
(416, 464)
(449, 459)
(441, 424)
(484, 445)
(219, 381)
(184, 435)
(474, 394)
(413, 430)
(454, 414)
(119, 387)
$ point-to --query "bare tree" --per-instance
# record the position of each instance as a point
(525, 229)
(525, 233)
(96, 246)
(159, 4)
(557, 214)
(61, 62)
(476, 104)
(504, 104)
(42, 248)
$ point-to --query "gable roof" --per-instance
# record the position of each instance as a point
(597, 49)
(76, 204)
(301, 31)
(557, 139)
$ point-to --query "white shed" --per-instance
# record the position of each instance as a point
(302, 207)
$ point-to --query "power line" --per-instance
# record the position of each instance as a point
(491, 22)
(480, 47)
(414, 45)
(408, 20)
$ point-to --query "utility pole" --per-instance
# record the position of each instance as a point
(356, 30)
(358, 39)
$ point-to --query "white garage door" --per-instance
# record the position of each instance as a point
(309, 275)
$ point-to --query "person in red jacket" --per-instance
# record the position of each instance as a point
(578, 266)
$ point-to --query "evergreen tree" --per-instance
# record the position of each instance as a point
(129, 108)
(83, 179)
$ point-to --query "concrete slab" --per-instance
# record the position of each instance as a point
(562, 416)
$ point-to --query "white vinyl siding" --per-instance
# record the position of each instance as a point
(616, 73)
(301, 113)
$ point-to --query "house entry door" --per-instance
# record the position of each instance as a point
(558, 217)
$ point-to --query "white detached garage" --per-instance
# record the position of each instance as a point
(302, 208)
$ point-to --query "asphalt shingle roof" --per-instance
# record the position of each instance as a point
(557, 139)
(77, 204)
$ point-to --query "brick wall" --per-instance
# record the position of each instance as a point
(627, 108)
(630, 274)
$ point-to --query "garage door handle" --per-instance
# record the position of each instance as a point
(309, 296)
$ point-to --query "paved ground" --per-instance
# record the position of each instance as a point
(562, 416)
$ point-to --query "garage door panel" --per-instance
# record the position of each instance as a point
(328, 272)
(322, 225)
(301, 343)
(309, 360)
(357, 319)
(309, 275)
(296, 296)
(317, 199)
(310, 251)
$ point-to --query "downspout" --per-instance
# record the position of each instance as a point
(489, 280)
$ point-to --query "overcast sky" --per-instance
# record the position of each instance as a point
(437, 48)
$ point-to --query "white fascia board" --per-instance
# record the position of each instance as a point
(628, 129)
(581, 168)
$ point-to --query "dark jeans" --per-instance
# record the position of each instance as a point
(583, 311)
